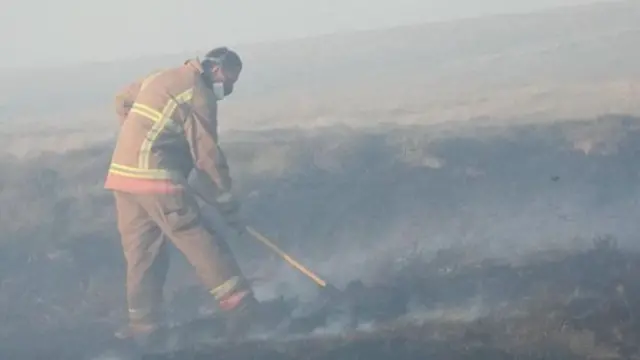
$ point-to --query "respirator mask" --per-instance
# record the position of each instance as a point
(220, 89)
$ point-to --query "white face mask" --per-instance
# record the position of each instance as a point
(218, 90)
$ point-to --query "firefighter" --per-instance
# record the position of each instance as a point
(166, 159)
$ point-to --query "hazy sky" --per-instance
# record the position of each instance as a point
(69, 31)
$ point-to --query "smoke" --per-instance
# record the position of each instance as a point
(362, 205)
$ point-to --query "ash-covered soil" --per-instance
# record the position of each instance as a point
(505, 243)
(554, 305)
(551, 305)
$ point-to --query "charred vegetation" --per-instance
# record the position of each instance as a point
(449, 242)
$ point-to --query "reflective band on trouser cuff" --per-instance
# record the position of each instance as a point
(142, 314)
(161, 120)
(226, 288)
(226, 197)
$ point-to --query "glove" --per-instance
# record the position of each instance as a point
(229, 208)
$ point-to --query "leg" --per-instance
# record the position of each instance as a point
(178, 215)
(147, 260)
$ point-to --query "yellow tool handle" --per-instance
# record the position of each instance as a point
(286, 257)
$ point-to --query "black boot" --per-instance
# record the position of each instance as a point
(149, 337)
(134, 331)
(241, 313)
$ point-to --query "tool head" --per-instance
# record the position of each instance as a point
(330, 291)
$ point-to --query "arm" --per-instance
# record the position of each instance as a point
(125, 99)
(210, 178)
(127, 95)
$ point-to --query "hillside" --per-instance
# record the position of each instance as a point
(359, 205)
(570, 62)
(452, 177)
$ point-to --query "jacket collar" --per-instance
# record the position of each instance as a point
(195, 63)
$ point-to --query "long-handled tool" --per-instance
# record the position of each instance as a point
(291, 261)
(329, 289)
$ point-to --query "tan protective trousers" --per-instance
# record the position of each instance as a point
(146, 222)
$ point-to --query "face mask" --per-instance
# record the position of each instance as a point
(228, 89)
(218, 90)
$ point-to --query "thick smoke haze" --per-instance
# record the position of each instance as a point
(438, 173)
(72, 31)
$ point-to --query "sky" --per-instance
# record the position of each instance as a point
(60, 32)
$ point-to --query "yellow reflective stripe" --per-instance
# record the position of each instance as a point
(140, 176)
(155, 174)
(146, 111)
(159, 126)
(134, 169)
(173, 103)
(225, 288)
(145, 148)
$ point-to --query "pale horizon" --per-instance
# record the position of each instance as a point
(54, 38)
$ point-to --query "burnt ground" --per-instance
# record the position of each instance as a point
(552, 305)
(447, 244)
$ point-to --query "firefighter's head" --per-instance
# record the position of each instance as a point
(222, 69)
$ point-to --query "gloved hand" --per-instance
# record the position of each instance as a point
(229, 208)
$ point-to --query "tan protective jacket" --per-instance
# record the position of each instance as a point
(168, 127)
